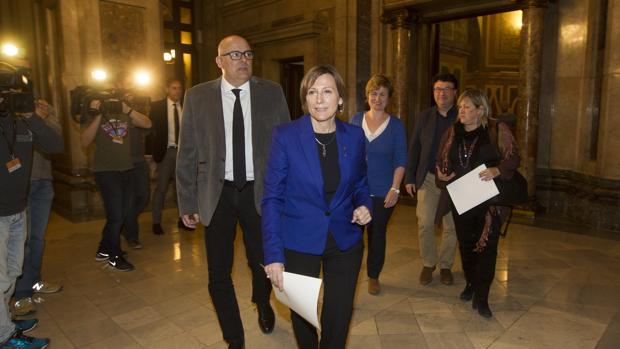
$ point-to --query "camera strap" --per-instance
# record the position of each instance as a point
(13, 164)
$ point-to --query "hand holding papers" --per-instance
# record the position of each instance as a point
(470, 191)
(301, 294)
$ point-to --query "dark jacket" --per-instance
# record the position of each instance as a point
(504, 145)
(421, 152)
(30, 132)
(157, 141)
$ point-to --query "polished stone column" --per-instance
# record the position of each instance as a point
(529, 88)
(401, 25)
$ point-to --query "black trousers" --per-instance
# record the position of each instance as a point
(234, 206)
(376, 237)
(139, 200)
(479, 267)
(340, 271)
(116, 189)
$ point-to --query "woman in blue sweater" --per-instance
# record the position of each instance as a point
(386, 156)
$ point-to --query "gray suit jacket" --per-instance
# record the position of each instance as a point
(202, 144)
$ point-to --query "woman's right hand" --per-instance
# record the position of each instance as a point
(444, 177)
(275, 273)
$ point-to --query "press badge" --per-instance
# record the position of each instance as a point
(13, 165)
(117, 139)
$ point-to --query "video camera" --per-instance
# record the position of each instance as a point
(15, 90)
(111, 101)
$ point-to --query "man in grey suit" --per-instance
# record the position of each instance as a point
(420, 178)
(224, 144)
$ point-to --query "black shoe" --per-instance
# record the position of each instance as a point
(157, 229)
(101, 256)
(119, 263)
(236, 344)
(135, 244)
(183, 226)
(104, 256)
(467, 294)
(266, 317)
(484, 310)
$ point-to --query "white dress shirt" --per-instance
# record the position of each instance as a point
(228, 104)
(171, 131)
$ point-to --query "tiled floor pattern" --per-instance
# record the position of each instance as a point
(552, 290)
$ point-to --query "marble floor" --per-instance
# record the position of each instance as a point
(552, 289)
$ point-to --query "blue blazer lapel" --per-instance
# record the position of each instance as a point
(344, 159)
(308, 145)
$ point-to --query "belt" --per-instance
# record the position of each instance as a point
(231, 184)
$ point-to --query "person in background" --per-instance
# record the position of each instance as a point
(141, 174)
(316, 200)
(386, 155)
(420, 180)
(470, 142)
(164, 142)
(20, 133)
(40, 198)
(113, 170)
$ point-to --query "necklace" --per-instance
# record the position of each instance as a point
(465, 152)
(324, 145)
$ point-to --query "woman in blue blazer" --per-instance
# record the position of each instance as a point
(316, 198)
(386, 154)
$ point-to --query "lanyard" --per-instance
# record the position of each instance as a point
(10, 144)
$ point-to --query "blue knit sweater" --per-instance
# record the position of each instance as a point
(384, 154)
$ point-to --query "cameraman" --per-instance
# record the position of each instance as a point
(19, 134)
(111, 131)
(125, 87)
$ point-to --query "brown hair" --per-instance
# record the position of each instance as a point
(314, 74)
(376, 82)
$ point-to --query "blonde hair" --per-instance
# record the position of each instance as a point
(480, 100)
(376, 82)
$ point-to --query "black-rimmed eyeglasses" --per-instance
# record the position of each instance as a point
(236, 55)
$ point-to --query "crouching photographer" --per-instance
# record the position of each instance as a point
(21, 129)
(109, 122)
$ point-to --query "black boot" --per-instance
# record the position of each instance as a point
(482, 304)
(467, 294)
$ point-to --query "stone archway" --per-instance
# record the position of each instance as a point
(414, 37)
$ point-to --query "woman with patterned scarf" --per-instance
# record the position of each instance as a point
(470, 142)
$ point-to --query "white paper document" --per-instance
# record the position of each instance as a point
(301, 294)
(470, 191)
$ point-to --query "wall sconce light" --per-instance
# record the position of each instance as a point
(169, 56)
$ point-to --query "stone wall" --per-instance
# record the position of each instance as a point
(578, 174)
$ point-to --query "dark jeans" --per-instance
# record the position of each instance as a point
(376, 237)
(116, 188)
(40, 200)
(234, 206)
(478, 267)
(139, 200)
(340, 271)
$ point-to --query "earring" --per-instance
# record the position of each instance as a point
(340, 107)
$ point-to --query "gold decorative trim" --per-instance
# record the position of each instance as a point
(299, 30)
(400, 18)
(236, 6)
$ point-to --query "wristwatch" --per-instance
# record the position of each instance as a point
(397, 191)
